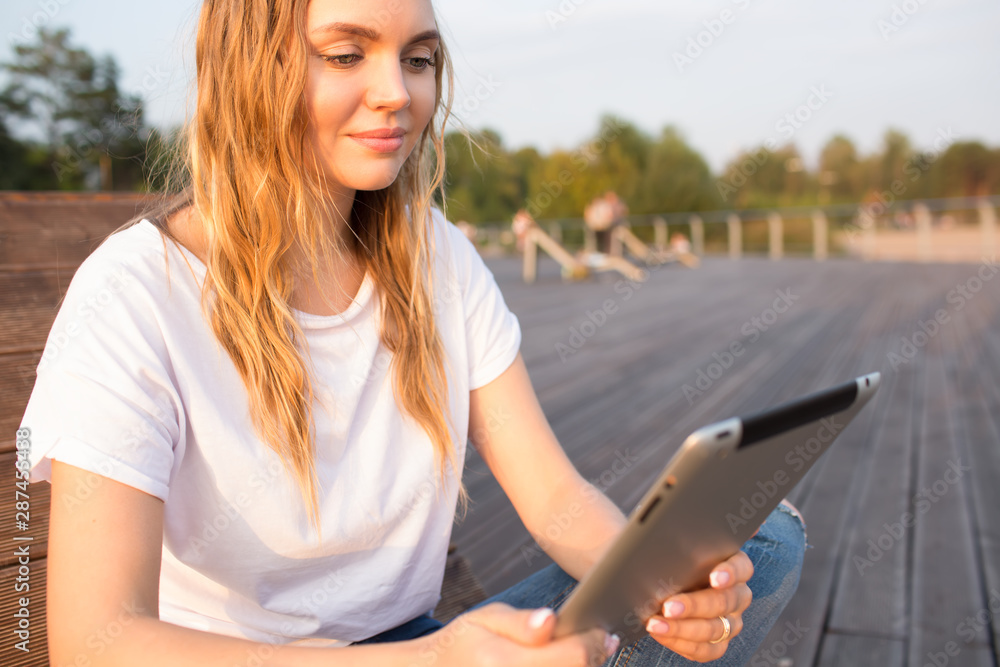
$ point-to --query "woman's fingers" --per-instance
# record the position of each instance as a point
(521, 637)
(738, 568)
(696, 639)
(587, 649)
(694, 629)
(697, 651)
(692, 623)
(708, 603)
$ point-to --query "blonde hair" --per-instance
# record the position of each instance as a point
(257, 189)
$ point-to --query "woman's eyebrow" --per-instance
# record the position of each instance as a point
(371, 34)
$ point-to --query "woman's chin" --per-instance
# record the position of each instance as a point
(374, 179)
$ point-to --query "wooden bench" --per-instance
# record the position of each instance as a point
(44, 237)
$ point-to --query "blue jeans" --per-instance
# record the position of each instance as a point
(776, 552)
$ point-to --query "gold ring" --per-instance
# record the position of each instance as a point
(726, 629)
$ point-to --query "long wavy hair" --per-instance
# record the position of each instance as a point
(257, 189)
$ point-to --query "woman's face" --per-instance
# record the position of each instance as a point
(371, 87)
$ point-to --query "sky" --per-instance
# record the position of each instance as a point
(729, 74)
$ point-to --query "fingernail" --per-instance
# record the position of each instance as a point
(538, 617)
(656, 627)
(611, 643)
(672, 609)
(719, 578)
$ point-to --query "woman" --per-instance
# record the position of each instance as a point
(255, 443)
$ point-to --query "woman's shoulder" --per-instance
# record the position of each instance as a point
(135, 264)
(121, 250)
(457, 246)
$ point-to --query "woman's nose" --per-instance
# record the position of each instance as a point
(387, 89)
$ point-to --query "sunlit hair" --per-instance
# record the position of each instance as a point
(257, 188)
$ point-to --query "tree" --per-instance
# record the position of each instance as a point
(840, 173)
(676, 177)
(762, 178)
(896, 153)
(22, 165)
(482, 180)
(966, 170)
(68, 101)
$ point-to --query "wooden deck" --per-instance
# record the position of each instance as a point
(617, 393)
(873, 591)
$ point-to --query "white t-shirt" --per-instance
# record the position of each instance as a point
(134, 386)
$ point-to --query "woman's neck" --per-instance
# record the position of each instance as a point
(336, 281)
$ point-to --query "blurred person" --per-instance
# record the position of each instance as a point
(680, 244)
(255, 445)
(468, 230)
(522, 223)
(602, 215)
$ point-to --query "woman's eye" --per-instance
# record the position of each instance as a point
(345, 60)
(419, 64)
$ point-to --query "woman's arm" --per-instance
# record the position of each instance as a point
(567, 516)
(575, 523)
(105, 541)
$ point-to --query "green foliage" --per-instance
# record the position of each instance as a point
(66, 124)
(74, 120)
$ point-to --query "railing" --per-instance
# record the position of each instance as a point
(958, 229)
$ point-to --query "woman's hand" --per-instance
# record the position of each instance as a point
(691, 625)
(499, 635)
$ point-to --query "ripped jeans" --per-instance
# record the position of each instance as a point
(776, 552)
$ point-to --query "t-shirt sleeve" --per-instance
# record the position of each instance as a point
(493, 333)
(104, 399)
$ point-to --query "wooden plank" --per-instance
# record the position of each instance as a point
(979, 436)
(29, 302)
(871, 589)
(17, 378)
(946, 583)
(845, 650)
(61, 232)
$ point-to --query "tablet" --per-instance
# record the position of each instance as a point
(709, 500)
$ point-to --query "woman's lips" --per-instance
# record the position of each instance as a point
(386, 145)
